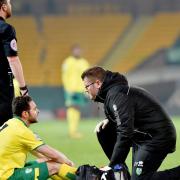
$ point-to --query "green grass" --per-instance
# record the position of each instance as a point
(87, 149)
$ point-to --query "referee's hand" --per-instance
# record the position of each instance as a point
(24, 91)
(101, 125)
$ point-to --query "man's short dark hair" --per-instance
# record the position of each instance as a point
(21, 104)
(2, 2)
(94, 73)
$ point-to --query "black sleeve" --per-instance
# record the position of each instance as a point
(10, 41)
(123, 111)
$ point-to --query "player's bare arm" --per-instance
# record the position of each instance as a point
(41, 157)
(54, 155)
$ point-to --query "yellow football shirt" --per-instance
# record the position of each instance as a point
(72, 69)
(16, 140)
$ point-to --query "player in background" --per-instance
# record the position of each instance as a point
(72, 68)
(17, 140)
(10, 64)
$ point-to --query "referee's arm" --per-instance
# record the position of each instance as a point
(17, 69)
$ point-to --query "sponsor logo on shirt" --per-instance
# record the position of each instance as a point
(116, 115)
(138, 164)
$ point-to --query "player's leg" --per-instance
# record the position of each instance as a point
(59, 171)
(73, 117)
(77, 101)
(56, 177)
(73, 114)
(42, 171)
(67, 172)
(32, 171)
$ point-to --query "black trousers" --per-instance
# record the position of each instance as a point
(5, 112)
(144, 163)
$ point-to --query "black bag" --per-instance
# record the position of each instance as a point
(87, 172)
(120, 172)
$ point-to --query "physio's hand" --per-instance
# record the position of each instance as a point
(105, 168)
(100, 125)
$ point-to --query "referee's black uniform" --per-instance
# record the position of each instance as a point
(8, 48)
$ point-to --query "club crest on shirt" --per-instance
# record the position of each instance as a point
(138, 171)
(13, 45)
(28, 170)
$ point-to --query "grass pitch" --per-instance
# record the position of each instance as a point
(87, 150)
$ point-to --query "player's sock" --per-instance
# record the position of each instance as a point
(56, 177)
(67, 172)
(73, 116)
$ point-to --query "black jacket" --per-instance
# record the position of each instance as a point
(139, 118)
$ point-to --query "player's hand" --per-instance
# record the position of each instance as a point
(101, 125)
(70, 163)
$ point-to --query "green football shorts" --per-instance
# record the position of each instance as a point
(75, 99)
(31, 171)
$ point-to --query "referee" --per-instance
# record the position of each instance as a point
(9, 63)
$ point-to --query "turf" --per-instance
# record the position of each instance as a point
(87, 149)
